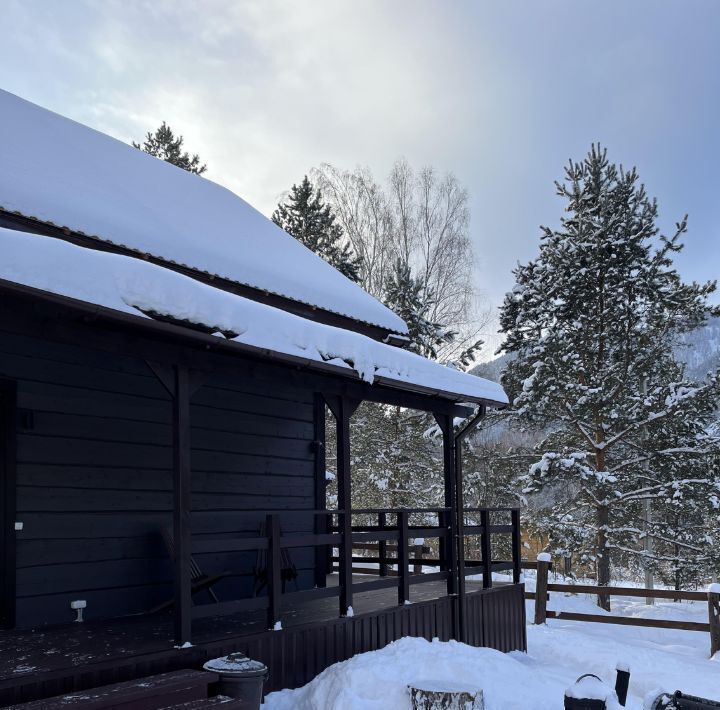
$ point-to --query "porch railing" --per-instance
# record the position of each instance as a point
(385, 560)
(388, 528)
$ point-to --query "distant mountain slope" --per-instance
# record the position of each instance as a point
(700, 352)
(492, 369)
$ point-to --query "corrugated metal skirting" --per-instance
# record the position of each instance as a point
(496, 618)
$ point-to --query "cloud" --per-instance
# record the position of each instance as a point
(502, 94)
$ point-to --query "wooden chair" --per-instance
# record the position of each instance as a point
(288, 571)
(199, 581)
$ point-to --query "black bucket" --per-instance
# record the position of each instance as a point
(241, 678)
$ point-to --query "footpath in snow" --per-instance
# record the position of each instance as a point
(558, 652)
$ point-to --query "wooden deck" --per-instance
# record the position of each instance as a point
(53, 660)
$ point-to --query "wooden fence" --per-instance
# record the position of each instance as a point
(386, 558)
(542, 613)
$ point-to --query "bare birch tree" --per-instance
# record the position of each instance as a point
(419, 218)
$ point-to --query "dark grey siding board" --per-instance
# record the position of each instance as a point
(239, 483)
(79, 577)
(35, 448)
(222, 462)
(92, 525)
(103, 477)
(223, 523)
(301, 410)
(262, 387)
(94, 485)
(59, 398)
(263, 425)
(33, 553)
(250, 444)
(38, 369)
(16, 343)
(76, 500)
(102, 428)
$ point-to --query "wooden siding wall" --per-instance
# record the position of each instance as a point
(94, 482)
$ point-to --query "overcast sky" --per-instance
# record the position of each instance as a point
(502, 94)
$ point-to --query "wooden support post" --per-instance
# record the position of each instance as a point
(448, 518)
(460, 515)
(382, 545)
(714, 618)
(274, 570)
(320, 522)
(516, 546)
(543, 565)
(342, 409)
(181, 505)
(402, 555)
(486, 547)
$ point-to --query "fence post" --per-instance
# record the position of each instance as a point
(714, 618)
(274, 570)
(543, 565)
(516, 549)
(402, 555)
(485, 542)
(382, 545)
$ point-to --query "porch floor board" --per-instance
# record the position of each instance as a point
(50, 650)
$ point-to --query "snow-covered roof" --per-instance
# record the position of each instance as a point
(142, 289)
(61, 172)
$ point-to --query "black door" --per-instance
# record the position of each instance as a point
(7, 503)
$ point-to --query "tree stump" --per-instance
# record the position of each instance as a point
(443, 696)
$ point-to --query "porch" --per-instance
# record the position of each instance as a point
(298, 632)
(57, 660)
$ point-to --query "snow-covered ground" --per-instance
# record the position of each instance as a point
(557, 654)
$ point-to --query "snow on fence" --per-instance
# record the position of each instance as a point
(542, 613)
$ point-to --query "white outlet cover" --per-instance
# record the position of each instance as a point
(18, 526)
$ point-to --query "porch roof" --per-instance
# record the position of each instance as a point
(58, 172)
(144, 290)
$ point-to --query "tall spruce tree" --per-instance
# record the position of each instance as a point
(165, 145)
(592, 322)
(304, 215)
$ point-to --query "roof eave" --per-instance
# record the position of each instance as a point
(211, 341)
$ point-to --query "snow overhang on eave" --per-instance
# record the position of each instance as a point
(188, 334)
(37, 225)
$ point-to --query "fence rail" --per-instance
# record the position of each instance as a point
(542, 613)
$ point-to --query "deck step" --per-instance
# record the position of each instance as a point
(167, 690)
(222, 701)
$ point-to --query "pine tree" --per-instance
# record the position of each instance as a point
(406, 295)
(593, 322)
(304, 215)
(164, 145)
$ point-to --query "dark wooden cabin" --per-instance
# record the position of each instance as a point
(166, 359)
